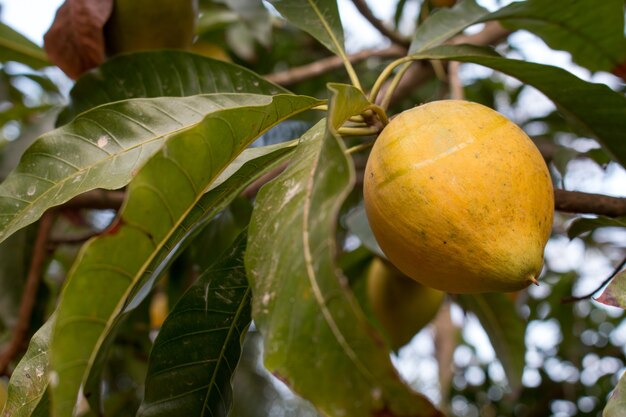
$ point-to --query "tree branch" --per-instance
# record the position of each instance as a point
(29, 296)
(578, 202)
(297, 74)
(394, 36)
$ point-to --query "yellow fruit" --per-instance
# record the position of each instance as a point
(402, 306)
(459, 198)
(137, 25)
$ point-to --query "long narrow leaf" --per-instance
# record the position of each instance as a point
(16, 47)
(200, 343)
(153, 74)
(592, 31)
(594, 108)
(316, 337)
(162, 196)
(29, 381)
(320, 18)
(101, 148)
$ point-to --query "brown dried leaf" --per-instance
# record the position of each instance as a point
(75, 41)
(615, 293)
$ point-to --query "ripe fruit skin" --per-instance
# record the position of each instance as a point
(137, 25)
(459, 198)
(402, 306)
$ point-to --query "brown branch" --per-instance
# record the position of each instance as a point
(394, 36)
(297, 74)
(578, 202)
(421, 72)
(97, 199)
(21, 330)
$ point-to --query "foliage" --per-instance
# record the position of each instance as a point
(209, 224)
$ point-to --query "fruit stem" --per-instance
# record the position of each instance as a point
(393, 86)
(380, 112)
(359, 148)
(386, 73)
(533, 280)
(359, 131)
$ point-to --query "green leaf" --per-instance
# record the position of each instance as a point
(164, 202)
(317, 339)
(446, 23)
(583, 225)
(595, 108)
(505, 328)
(614, 294)
(592, 31)
(153, 74)
(16, 47)
(200, 344)
(320, 18)
(101, 148)
(28, 384)
(616, 405)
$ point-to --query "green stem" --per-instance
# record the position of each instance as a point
(358, 131)
(359, 148)
(394, 84)
(380, 112)
(386, 74)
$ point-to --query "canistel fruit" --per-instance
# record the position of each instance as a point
(459, 198)
(402, 306)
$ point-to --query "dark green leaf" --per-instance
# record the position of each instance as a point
(200, 344)
(446, 23)
(29, 381)
(583, 225)
(320, 18)
(165, 200)
(16, 47)
(595, 108)
(317, 338)
(592, 31)
(161, 73)
(101, 148)
(506, 331)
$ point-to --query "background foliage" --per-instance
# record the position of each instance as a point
(184, 222)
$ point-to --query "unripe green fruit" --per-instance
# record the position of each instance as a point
(402, 306)
(137, 25)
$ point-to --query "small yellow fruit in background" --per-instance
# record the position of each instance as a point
(137, 25)
(459, 198)
(402, 306)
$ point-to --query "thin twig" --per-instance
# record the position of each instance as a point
(394, 36)
(606, 281)
(21, 330)
(297, 74)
